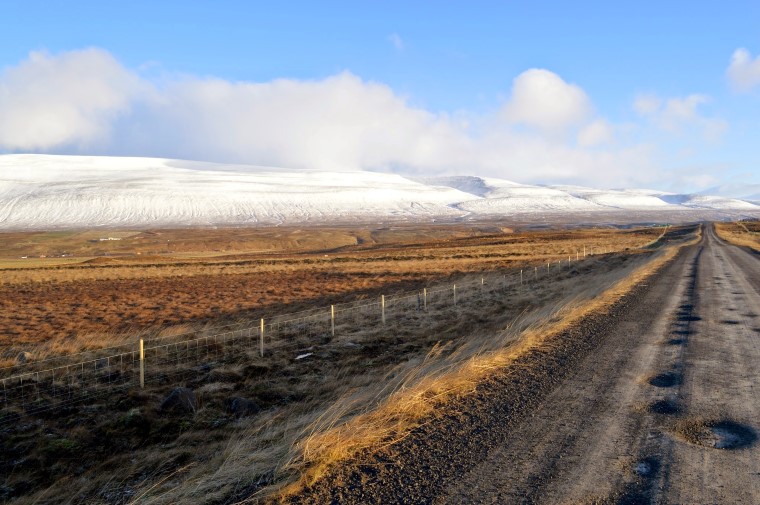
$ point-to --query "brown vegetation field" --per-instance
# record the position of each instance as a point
(742, 233)
(221, 275)
(259, 423)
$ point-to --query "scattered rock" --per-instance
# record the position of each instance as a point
(23, 357)
(180, 399)
(242, 407)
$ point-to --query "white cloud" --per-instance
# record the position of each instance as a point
(680, 115)
(541, 99)
(71, 98)
(646, 105)
(743, 72)
(338, 122)
(86, 102)
(596, 133)
(397, 41)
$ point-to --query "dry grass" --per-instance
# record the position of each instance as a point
(741, 233)
(434, 382)
(107, 302)
(362, 389)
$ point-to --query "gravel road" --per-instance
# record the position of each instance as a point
(657, 401)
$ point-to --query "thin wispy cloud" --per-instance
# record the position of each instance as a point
(744, 71)
(679, 115)
(396, 40)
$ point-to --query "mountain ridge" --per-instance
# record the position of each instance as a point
(56, 191)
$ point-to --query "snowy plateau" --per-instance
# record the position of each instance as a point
(52, 191)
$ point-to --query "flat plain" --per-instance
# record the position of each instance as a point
(373, 411)
(92, 292)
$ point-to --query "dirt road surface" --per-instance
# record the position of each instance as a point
(656, 402)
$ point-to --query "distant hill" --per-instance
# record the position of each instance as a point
(45, 192)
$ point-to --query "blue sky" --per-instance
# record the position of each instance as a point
(654, 79)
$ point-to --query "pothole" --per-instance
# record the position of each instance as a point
(665, 380)
(664, 407)
(730, 321)
(717, 434)
(647, 467)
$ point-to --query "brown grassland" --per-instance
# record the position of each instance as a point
(366, 386)
(222, 275)
(742, 233)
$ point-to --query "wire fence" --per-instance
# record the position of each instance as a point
(54, 383)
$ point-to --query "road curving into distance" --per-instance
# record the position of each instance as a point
(657, 401)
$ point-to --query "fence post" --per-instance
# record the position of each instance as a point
(142, 363)
(382, 307)
(584, 251)
(548, 270)
(261, 338)
(577, 255)
(536, 272)
(332, 319)
(521, 277)
(455, 294)
(424, 298)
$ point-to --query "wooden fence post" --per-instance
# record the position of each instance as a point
(382, 307)
(332, 319)
(142, 363)
(424, 298)
(455, 294)
(261, 338)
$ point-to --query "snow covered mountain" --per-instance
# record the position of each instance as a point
(44, 191)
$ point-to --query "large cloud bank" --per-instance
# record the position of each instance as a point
(87, 102)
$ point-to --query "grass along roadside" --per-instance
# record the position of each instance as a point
(438, 379)
(745, 234)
